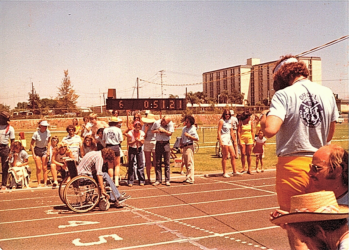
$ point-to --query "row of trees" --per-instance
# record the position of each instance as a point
(65, 101)
(224, 97)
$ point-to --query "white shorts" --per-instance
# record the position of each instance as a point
(149, 146)
(226, 140)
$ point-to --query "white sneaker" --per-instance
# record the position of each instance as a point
(237, 174)
(226, 175)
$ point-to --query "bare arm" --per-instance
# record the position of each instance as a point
(331, 132)
(270, 125)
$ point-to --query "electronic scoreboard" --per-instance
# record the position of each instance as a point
(146, 104)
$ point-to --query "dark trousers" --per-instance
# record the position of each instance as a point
(135, 155)
(162, 150)
(4, 152)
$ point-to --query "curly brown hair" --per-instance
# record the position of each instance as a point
(93, 142)
(17, 145)
(108, 154)
(288, 72)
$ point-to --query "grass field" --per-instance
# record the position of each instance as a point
(205, 159)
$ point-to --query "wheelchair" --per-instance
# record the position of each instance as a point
(81, 193)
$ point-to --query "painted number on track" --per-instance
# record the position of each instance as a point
(78, 223)
(102, 240)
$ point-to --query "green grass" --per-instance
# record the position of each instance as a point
(205, 159)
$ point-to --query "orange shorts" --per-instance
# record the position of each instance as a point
(291, 178)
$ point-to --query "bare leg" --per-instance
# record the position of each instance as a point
(224, 158)
(232, 158)
(243, 153)
(38, 169)
(248, 156)
(44, 168)
(54, 172)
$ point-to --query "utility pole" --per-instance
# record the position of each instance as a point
(162, 87)
(33, 96)
(137, 88)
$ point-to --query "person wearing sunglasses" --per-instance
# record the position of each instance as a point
(329, 172)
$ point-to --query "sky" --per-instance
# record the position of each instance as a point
(109, 44)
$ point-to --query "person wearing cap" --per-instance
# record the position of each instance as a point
(135, 141)
(302, 115)
(189, 135)
(39, 144)
(163, 128)
(149, 143)
(7, 135)
(58, 161)
(112, 137)
(317, 220)
(329, 171)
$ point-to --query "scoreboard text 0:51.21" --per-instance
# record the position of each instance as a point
(143, 104)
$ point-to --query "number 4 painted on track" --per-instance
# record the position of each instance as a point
(78, 223)
(102, 240)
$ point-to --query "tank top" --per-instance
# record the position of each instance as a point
(226, 127)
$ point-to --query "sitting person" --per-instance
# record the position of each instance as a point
(19, 168)
(93, 161)
(73, 143)
(89, 144)
(317, 220)
(329, 171)
(60, 153)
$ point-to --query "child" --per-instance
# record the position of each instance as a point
(60, 153)
(19, 168)
(99, 139)
(258, 149)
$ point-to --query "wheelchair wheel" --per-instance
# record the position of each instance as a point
(61, 188)
(196, 147)
(81, 194)
(9, 180)
(218, 149)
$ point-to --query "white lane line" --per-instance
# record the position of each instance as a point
(33, 198)
(186, 204)
(125, 226)
(195, 238)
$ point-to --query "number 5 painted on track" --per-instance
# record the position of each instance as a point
(102, 240)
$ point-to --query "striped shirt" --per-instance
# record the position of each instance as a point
(90, 162)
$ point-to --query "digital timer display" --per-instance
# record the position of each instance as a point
(144, 104)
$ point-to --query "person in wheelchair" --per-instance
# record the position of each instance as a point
(58, 163)
(93, 162)
(19, 168)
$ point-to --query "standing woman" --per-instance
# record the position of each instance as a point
(41, 139)
(245, 139)
(77, 126)
(225, 137)
(149, 144)
(135, 141)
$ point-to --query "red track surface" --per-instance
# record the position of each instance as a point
(214, 213)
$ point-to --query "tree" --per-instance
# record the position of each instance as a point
(236, 97)
(4, 107)
(33, 100)
(202, 98)
(67, 98)
(223, 97)
(173, 96)
(21, 105)
(192, 98)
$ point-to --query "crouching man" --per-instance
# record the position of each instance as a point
(93, 161)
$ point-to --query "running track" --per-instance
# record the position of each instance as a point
(214, 213)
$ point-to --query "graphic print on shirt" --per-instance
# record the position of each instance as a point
(111, 135)
(310, 111)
